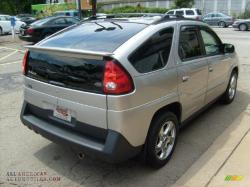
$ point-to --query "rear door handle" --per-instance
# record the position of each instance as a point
(185, 78)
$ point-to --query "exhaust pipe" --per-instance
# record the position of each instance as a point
(81, 156)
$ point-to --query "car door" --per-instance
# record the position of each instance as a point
(5, 24)
(192, 71)
(58, 24)
(216, 19)
(208, 19)
(218, 64)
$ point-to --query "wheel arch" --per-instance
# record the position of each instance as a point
(174, 107)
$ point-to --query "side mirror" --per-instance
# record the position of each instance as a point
(228, 48)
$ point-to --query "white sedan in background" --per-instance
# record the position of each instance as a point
(5, 25)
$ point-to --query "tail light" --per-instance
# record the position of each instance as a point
(30, 31)
(25, 59)
(116, 79)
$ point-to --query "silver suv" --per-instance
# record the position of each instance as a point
(114, 88)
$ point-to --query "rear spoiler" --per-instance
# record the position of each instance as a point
(70, 52)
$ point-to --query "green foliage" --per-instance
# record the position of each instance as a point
(184, 3)
(14, 7)
(138, 9)
(245, 15)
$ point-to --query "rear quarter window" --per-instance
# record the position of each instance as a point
(154, 53)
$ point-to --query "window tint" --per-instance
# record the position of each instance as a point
(59, 21)
(189, 46)
(154, 53)
(211, 42)
(179, 13)
(170, 12)
(189, 12)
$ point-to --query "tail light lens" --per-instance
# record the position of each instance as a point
(25, 60)
(116, 79)
(30, 31)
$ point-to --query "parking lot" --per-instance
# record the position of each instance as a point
(24, 151)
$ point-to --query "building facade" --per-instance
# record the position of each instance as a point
(230, 7)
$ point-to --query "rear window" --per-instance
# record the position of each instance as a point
(74, 73)
(96, 36)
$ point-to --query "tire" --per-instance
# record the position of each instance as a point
(1, 31)
(161, 142)
(222, 24)
(230, 92)
(243, 27)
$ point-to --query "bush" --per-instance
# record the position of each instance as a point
(245, 15)
(137, 9)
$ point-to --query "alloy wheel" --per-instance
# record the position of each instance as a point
(166, 140)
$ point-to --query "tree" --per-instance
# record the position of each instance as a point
(14, 7)
(184, 3)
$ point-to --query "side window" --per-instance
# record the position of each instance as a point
(71, 21)
(189, 12)
(59, 21)
(179, 13)
(189, 45)
(211, 42)
(170, 13)
(154, 53)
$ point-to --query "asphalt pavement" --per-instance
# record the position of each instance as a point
(24, 151)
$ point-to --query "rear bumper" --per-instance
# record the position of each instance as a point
(235, 26)
(115, 148)
(28, 38)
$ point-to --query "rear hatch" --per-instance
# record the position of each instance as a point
(65, 73)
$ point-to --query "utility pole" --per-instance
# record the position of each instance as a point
(79, 6)
(203, 7)
(94, 8)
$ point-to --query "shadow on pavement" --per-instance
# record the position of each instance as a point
(194, 140)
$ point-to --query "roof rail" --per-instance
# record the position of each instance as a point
(167, 17)
(125, 15)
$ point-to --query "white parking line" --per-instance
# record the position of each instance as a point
(8, 55)
(13, 49)
(9, 63)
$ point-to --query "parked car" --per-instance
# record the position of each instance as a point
(45, 27)
(28, 20)
(117, 88)
(72, 13)
(242, 25)
(192, 13)
(5, 25)
(218, 19)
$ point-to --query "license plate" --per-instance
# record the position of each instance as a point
(62, 113)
